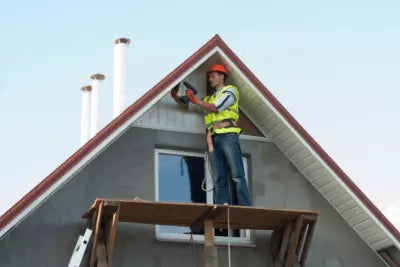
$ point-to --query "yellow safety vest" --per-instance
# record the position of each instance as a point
(231, 112)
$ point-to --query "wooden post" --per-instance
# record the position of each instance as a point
(111, 231)
(101, 252)
(291, 254)
(209, 249)
(283, 245)
(300, 243)
(275, 244)
(98, 214)
(307, 241)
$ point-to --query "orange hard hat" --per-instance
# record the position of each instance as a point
(218, 67)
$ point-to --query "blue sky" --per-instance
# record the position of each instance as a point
(334, 66)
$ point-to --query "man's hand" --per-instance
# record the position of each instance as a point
(174, 91)
(177, 98)
(190, 95)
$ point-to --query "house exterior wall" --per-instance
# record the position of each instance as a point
(126, 169)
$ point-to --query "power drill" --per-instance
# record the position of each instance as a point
(184, 99)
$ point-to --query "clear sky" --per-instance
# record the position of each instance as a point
(334, 65)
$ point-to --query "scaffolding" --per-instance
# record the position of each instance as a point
(293, 229)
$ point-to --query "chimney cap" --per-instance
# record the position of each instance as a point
(86, 88)
(122, 41)
(97, 76)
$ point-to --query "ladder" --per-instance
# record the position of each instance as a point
(80, 248)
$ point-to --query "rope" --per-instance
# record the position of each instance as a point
(203, 183)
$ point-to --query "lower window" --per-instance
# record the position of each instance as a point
(185, 177)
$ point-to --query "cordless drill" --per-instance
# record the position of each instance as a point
(184, 99)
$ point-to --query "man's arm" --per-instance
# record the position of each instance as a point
(227, 99)
(207, 106)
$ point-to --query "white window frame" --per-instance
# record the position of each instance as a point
(245, 240)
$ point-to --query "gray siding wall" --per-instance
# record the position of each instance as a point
(126, 168)
(167, 115)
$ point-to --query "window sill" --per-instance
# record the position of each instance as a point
(199, 239)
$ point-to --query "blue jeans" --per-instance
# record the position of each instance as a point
(226, 161)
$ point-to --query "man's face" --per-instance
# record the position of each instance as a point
(215, 78)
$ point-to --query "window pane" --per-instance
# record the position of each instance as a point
(180, 179)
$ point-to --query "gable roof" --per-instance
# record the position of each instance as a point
(284, 129)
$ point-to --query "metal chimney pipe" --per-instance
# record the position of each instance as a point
(95, 105)
(85, 116)
(120, 65)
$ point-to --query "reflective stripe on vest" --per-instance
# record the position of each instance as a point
(231, 112)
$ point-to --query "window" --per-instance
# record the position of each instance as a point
(179, 177)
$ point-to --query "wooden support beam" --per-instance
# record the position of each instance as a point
(279, 260)
(213, 212)
(98, 215)
(210, 259)
(307, 242)
(101, 252)
(291, 254)
(111, 231)
(275, 243)
(208, 233)
(300, 243)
